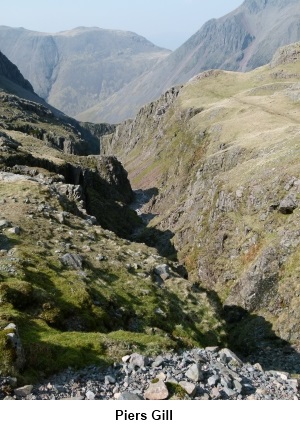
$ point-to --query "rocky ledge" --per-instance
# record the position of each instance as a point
(199, 374)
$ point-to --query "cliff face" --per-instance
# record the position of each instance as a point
(222, 156)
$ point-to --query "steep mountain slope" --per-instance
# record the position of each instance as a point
(76, 138)
(74, 290)
(220, 158)
(76, 69)
(242, 40)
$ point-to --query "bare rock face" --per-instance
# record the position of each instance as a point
(116, 176)
(259, 283)
(286, 55)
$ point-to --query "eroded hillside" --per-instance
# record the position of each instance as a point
(74, 290)
(220, 160)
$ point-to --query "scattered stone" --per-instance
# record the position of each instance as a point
(129, 396)
(109, 380)
(204, 396)
(90, 395)
(15, 340)
(230, 356)
(138, 360)
(158, 361)
(212, 349)
(288, 205)
(237, 386)
(213, 380)
(130, 381)
(4, 223)
(229, 392)
(195, 373)
(188, 387)
(14, 230)
(73, 398)
(258, 367)
(163, 271)
(215, 393)
(23, 391)
(157, 391)
(72, 260)
(161, 376)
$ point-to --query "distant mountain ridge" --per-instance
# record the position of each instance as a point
(107, 75)
(242, 40)
(76, 69)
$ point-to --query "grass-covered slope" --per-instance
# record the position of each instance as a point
(224, 157)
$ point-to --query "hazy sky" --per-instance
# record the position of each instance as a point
(167, 23)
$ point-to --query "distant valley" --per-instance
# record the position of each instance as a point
(106, 76)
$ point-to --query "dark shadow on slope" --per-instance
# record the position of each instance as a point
(151, 236)
(7, 243)
(253, 338)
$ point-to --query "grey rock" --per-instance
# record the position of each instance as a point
(226, 371)
(138, 360)
(158, 361)
(90, 395)
(205, 396)
(294, 384)
(129, 396)
(14, 230)
(161, 376)
(109, 379)
(14, 338)
(23, 391)
(157, 391)
(215, 393)
(194, 372)
(188, 387)
(212, 349)
(231, 356)
(163, 271)
(73, 398)
(4, 223)
(229, 392)
(226, 381)
(288, 205)
(213, 380)
(72, 260)
(258, 367)
(237, 386)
